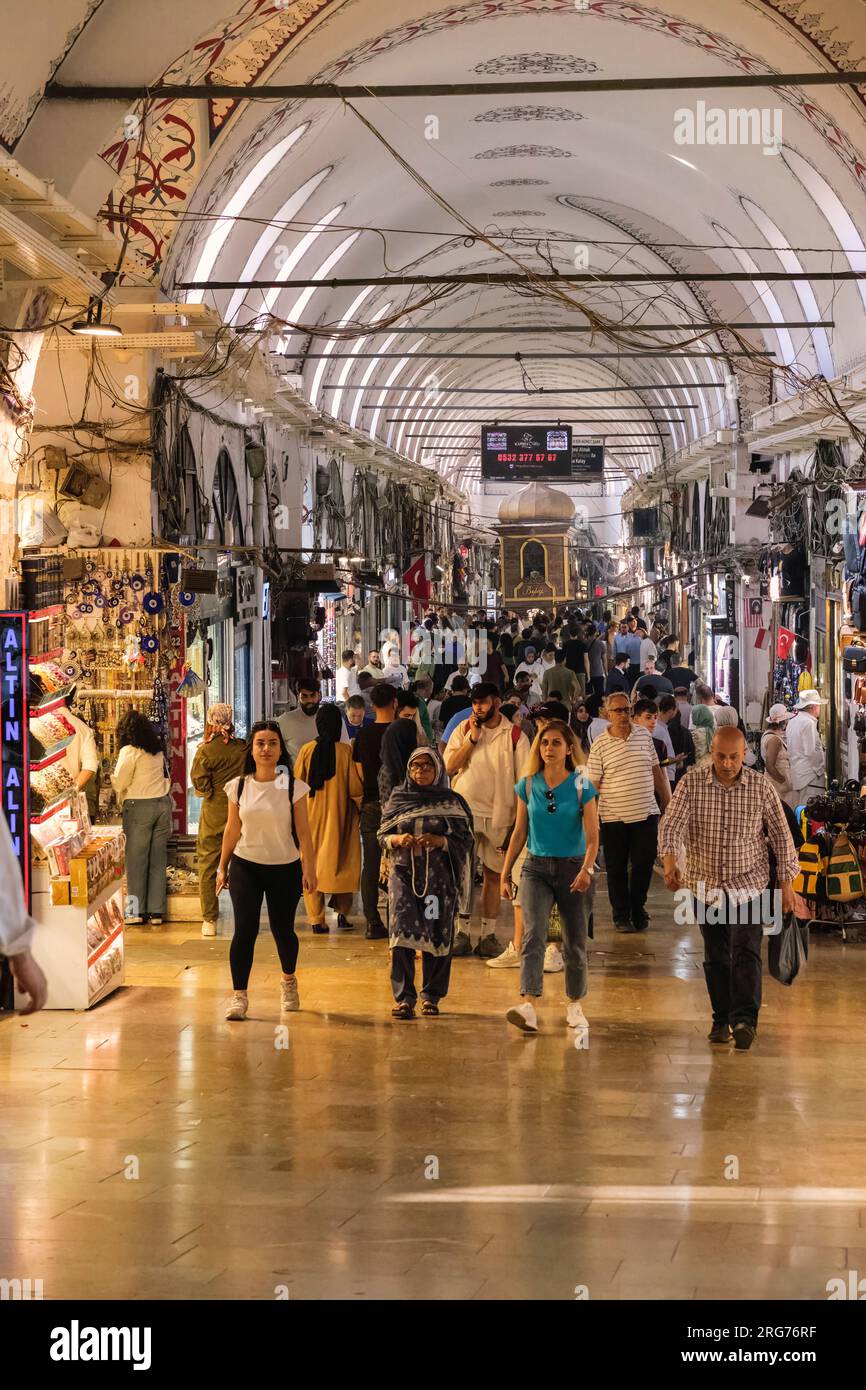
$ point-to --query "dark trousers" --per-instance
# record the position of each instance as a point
(634, 674)
(732, 964)
(629, 855)
(435, 975)
(249, 883)
(371, 816)
(596, 685)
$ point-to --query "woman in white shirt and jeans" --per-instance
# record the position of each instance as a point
(266, 840)
(142, 789)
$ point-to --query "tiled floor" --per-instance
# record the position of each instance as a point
(148, 1149)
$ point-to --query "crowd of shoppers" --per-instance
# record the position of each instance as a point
(425, 782)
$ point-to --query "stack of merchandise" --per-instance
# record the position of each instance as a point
(833, 856)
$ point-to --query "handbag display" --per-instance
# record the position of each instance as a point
(812, 865)
(844, 880)
(854, 659)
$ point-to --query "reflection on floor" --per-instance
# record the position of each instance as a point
(151, 1150)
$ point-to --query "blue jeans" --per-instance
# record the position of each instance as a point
(147, 826)
(543, 882)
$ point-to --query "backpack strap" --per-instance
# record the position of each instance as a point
(292, 805)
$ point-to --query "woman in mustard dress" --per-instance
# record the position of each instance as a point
(334, 807)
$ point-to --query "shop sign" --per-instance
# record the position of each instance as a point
(246, 599)
(320, 573)
(14, 773)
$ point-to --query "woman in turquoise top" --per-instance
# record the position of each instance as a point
(558, 815)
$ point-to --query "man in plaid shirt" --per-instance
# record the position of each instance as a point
(724, 815)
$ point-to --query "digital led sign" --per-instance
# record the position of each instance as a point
(521, 453)
(14, 774)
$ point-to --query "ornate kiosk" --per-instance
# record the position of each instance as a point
(536, 526)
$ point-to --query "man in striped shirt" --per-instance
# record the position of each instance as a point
(725, 815)
(624, 766)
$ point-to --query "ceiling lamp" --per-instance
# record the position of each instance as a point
(91, 326)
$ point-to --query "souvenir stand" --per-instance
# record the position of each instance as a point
(833, 858)
(114, 641)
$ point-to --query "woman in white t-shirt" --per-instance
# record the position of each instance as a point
(265, 844)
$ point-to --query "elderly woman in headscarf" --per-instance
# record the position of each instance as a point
(219, 758)
(428, 833)
(702, 728)
(726, 717)
(334, 806)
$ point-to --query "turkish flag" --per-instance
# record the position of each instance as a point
(784, 642)
(416, 581)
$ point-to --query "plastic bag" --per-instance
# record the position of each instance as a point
(788, 950)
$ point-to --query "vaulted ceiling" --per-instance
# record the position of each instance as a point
(592, 182)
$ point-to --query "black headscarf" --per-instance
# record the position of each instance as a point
(323, 763)
(401, 739)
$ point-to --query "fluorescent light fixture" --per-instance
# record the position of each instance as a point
(91, 326)
(680, 160)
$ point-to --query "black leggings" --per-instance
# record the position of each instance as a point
(248, 884)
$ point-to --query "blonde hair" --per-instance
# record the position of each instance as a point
(534, 764)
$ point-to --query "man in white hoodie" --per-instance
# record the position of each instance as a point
(17, 927)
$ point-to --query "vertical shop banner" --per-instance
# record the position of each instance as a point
(177, 732)
(13, 739)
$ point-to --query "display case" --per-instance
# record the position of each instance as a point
(79, 945)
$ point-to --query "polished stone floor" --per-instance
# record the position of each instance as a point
(148, 1149)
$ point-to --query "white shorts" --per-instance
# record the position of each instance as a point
(488, 838)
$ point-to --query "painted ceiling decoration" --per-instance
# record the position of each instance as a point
(520, 183)
(57, 27)
(525, 152)
(297, 16)
(529, 113)
(535, 64)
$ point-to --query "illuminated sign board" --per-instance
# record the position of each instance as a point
(14, 772)
(522, 453)
(587, 460)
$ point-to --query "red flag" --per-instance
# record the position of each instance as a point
(416, 581)
(784, 642)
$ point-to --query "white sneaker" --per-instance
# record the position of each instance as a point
(509, 957)
(553, 961)
(523, 1017)
(237, 1009)
(290, 1000)
(575, 1017)
(208, 928)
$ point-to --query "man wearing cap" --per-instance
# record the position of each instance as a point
(805, 750)
(774, 751)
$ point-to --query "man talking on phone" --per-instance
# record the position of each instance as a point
(483, 758)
